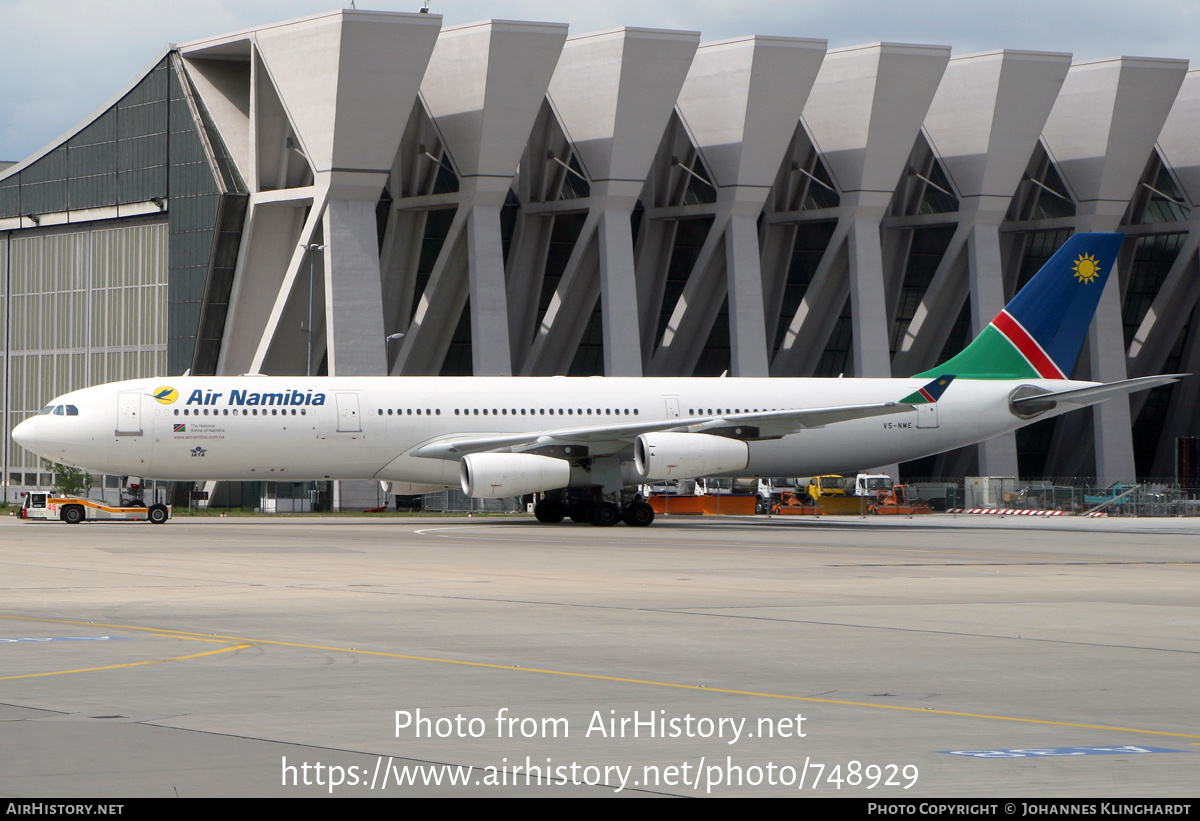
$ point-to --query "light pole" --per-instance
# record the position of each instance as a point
(311, 249)
(387, 342)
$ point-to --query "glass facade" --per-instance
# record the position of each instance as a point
(937, 198)
(1153, 258)
(811, 240)
(835, 359)
(925, 254)
(690, 235)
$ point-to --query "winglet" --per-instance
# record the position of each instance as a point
(929, 393)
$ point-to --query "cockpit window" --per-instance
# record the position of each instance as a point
(59, 410)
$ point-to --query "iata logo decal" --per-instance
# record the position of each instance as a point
(1087, 269)
(166, 396)
(197, 451)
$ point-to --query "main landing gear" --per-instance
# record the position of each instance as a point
(635, 512)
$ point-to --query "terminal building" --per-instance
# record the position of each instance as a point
(517, 199)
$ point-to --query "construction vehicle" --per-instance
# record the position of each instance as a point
(41, 504)
(834, 495)
(794, 503)
(770, 493)
(899, 500)
(869, 484)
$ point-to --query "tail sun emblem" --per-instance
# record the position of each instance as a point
(1087, 269)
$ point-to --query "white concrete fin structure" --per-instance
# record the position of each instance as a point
(1119, 101)
(864, 112)
(328, 97)
(740, 104)
(1174, 303)
(484, 87)
(613, 93)
(984, 123)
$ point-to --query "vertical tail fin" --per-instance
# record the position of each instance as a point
(1040, 332)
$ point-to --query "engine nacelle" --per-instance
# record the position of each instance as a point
(492, 475)
(687, 455)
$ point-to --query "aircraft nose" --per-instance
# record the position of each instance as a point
(25, 434)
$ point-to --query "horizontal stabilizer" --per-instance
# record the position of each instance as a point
(1082, 397)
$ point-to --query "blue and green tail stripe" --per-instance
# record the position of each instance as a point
(1040, 332)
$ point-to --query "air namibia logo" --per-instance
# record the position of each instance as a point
(1086, 269)
(166, 396)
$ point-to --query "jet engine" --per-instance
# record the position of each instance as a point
(492, 475)
(687, 455)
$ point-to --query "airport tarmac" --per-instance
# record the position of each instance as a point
(852, 657)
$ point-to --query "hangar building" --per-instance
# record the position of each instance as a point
(515, 199)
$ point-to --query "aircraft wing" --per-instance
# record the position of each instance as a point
(1082, 397)
(751, 426)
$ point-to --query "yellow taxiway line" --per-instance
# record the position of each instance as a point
(247, 642)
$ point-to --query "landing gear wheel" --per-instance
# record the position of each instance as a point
(72, 514)
(605, 514)
(581, 512)
(549, 511)
(638, 514)
(157, 515)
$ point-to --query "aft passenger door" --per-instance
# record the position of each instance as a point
(927, 415)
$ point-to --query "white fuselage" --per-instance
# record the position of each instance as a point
(298, 428)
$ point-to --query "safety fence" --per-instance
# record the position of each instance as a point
(1069, 495)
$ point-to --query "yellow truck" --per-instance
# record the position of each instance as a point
(835, 495)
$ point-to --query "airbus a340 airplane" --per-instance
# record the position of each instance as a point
(505, 436)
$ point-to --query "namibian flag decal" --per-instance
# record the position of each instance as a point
(928, 394)
(181, 429)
